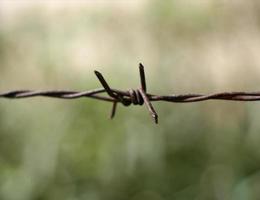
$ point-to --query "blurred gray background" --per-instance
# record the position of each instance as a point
(54, 149)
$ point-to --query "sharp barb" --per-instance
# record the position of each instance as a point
(105, 84)
(113, 111)
(149, 105)
(142, 76)
(155, 117)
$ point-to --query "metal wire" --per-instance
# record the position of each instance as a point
(135, 97)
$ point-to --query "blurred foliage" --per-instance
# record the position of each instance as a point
(54, 149)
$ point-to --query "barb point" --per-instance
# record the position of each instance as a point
(155, 117)
(97, 73)
(142, 76)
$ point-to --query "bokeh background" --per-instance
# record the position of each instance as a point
(54, 149)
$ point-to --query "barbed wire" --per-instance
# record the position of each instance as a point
(133, 96)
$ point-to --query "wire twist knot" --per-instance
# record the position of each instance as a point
(135, 97)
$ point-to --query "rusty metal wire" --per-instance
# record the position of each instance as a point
(136, 97)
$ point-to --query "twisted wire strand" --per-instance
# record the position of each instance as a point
(182, 98)
(189, 98)
(61, 94)
(128, 97)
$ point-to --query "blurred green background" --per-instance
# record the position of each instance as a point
(54, 149)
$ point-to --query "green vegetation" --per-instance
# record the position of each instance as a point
(69, 150)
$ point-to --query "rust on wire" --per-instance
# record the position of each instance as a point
(132, 96)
